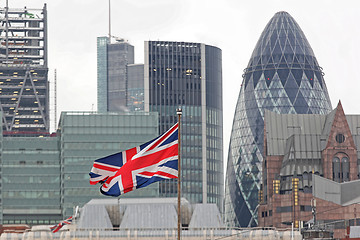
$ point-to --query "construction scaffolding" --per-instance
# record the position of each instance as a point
(24, 87)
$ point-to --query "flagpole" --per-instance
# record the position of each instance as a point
(179, 113)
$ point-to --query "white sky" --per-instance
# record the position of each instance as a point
(331, 27)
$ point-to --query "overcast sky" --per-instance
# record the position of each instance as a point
(331, 27)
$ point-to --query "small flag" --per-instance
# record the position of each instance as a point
(58, 226)
(30, 15)
(138, 167)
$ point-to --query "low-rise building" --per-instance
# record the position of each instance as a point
(44, 178)
(297, 147)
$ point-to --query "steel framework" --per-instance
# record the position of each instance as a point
(24, 87)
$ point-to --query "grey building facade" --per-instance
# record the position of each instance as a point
(24, 87)
(112, 61)
(102, 73)
(85, 137)
(31, 189)
(44, 178)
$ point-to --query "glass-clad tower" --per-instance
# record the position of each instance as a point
(112, 61)
(189, 75)
(102, 74)
(283, 76)
(31, 189)
(87, 136)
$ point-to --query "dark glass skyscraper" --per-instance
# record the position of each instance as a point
(283, 76)
(135, 87)
(178, 74)
(189, 75)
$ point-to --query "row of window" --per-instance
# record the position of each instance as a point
(31, 194)
(30, 221)
(303, 208)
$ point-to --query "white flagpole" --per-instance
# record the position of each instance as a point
(179, 113)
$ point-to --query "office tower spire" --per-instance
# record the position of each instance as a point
(283, 76)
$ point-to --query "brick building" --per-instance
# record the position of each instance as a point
(298, 147)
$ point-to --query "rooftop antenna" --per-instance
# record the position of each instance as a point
(109, 21)
(55, 100)
(7, 29)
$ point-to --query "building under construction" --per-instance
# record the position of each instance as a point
(24, 87)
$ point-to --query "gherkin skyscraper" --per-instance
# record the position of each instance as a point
(283, 76)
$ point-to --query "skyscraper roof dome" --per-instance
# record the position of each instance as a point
(284, 41)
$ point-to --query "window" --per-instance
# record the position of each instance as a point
(345, 165)
(340, 138)
(336, 169)
(341, 169)
(284, 209)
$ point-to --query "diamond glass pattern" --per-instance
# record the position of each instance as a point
(283, 75)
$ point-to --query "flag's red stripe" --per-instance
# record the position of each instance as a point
(107, 168)
(157, 156)
(130, 153)
(147, 173)
(95, 182)
(150, 174)
(163, 137)
(166, 174)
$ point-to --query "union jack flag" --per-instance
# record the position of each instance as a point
(138, 167)
(57, 227)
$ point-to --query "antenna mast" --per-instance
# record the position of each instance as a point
(55, 100)
(7, 30)
(109, 21)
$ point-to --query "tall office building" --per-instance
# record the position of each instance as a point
(189, 75)
(283, 76)
(112, 61)
(24, 88)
